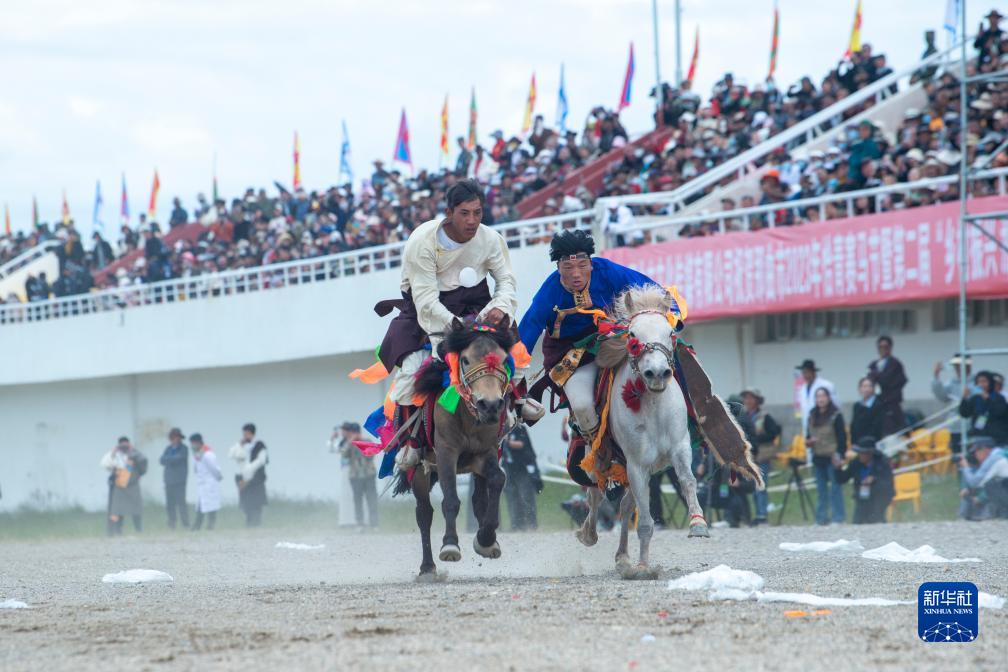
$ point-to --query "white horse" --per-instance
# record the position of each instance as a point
(652, 437)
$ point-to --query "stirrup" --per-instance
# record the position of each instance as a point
(531, 410)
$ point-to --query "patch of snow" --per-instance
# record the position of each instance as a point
(988, 601)
(647, 639)
(823, 546)
(719, 578)
(893, 552)
(719, 524)
(137, 576)
(299, 547)
(13, 604)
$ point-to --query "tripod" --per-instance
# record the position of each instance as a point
(803, 496)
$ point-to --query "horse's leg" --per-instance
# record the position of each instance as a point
(626, 513)
(681, 458)
(639, 479)
(450, 506)
(587, 534)
(485, 543)
(424, 519)
(479, 497)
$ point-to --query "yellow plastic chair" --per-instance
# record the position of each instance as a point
(943, 448)
(796, 452)
(908, 489)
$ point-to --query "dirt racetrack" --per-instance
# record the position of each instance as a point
(237, 602)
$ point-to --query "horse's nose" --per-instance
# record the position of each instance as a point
(489, 407)
(661, 374)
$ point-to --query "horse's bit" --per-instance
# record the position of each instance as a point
(650, 346)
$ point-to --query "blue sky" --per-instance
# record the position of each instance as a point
(92, 89)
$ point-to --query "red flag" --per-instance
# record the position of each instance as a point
(402, 148)
(529, 107)
(444, 130)
(773, 42)
(152, 207)
(471, 143)
(696, 55)
(297, 161)
(7, 229)
(624, 100)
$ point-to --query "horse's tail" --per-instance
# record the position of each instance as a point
(745, 464)
(402, 484)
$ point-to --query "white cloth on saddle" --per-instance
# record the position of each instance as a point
(405, 376)
(429, 269)
(580, 392)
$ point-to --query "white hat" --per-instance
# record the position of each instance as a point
(915, 154)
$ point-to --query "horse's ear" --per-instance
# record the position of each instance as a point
(627, 302)
(668, 299)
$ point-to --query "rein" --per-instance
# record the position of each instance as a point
(482, 370)
(637, 349)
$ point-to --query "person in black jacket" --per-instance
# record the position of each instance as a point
(873, 482)
(987, 410)
(866, 420)
(175, 460)
(887, 372)
(251, 458)
(523, 479)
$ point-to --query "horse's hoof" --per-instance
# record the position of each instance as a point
(699, 530)
(622, 561)
(450, 553)
(639, 572)
(432, 576)
(492, 551)
(588, 538)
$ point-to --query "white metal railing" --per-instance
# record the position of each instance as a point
(518, 234)
(28, 256)
(822, 121)
(767, 213)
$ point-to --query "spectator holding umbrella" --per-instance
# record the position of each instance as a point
(887, 373)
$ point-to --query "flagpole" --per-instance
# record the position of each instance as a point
(657, 64)
(678, 44)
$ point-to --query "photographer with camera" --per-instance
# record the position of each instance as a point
(985, 474)
(873, 481)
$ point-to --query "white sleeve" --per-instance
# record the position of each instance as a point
(108, 461)
(420, 269)
(210, 462)
(248, 471)
(237, 453)
(505, 296)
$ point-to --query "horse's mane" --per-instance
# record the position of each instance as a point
(458, 339)
(638, 298)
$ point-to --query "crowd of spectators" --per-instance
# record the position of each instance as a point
(261, 228)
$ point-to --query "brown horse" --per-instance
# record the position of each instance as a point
(465, 441)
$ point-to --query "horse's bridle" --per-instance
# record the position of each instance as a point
(475, 372)
(650, 346)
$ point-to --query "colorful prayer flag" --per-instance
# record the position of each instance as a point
(855, 33)
(344, 161)
(124, 210)
(96, 216)
(951, 25)
(773, 42)
(7, 228)
(562, 108)
(35, 219)
(65, 210)
(155, 187)
(444, 131)
(471, 144)
(529, 107)
(402, 148)
(696, 55)
(624, 100)
(297, 161)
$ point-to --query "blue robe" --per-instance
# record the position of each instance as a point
(608, 280)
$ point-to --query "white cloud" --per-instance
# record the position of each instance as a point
(84, 107)
(170, 136)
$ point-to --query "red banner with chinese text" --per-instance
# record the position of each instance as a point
(907, 255)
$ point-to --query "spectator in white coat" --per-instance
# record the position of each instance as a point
(208, 480)
(805, 395)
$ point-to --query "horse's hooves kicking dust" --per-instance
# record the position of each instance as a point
(630, 572)
(431, 577)
(450, 553)
(589, 538)
(493, 551)
(699, 530)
